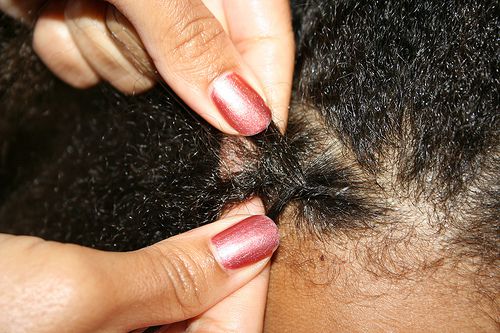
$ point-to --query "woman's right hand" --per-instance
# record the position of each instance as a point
(220, 56)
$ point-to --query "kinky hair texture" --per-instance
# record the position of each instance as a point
(394, 122)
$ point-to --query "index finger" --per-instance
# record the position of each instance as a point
(261, 31)
(243, 311)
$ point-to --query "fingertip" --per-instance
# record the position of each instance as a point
(197, 59)
(252, 240)
(262, 32)
(240, 104)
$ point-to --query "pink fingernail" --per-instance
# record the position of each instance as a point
(240, 104)
(246, 242)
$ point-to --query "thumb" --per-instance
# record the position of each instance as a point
(199, 61)
(185, 275)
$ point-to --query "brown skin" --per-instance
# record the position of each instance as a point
(318, 287)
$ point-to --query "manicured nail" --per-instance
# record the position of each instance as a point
(246, 242)
(240, 105)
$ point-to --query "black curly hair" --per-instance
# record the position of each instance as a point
(393, 136)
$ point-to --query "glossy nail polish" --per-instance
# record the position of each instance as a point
(240, 104)
(246, 242)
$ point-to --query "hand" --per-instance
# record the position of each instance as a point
(54, 287)
(211, 52)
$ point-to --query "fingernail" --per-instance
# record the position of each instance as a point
(246, 242)
(240, 104)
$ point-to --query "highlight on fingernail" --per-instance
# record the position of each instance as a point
(241, 106)
(247, 242)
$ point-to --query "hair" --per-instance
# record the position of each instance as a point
(393, 137)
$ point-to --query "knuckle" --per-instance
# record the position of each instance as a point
(197, 37)
(186, 280)
(78, 275)
(75, 275)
